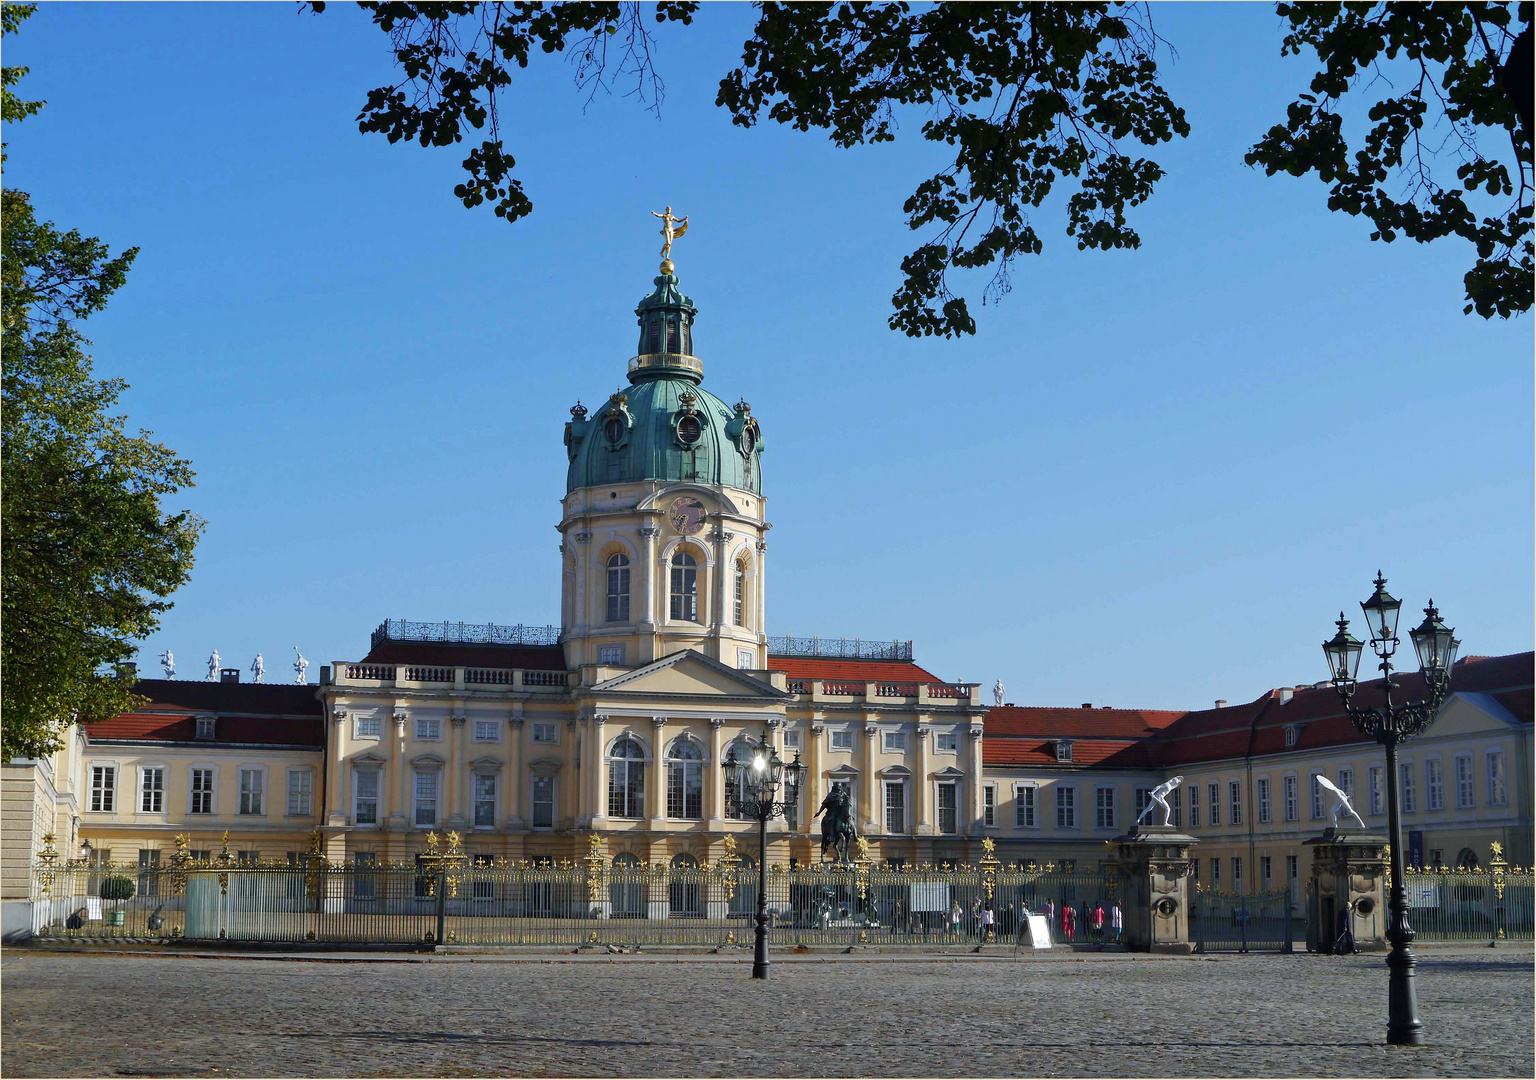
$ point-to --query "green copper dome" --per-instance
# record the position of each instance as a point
(665, 426)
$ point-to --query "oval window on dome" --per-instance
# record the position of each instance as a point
(614, 429)
(688, 430)
(748, 440)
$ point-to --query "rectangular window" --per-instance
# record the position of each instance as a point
(618, 591)
(1261, 787)
(1293, 868)
(1194, 869)
(1213, 802)
(949, 808)
(1347, 782)
(1317, 798)
(738, 599)
(202, 791)
(746, 659)
(1104, 807)
(250, 791)
(1464, 796)
(947, 742)
(426, 798)
(895, 807)
(1141, 797)
(1434, 784)
(367, 727)
(1266, 869)
(791, 740)
(149, 881)
(1175, 816)
(152, 793)
(1496, 793)
(1405, 783)
(247, 858)
(365, 797)
(103, 783)
(543, 802)
(429, 730)
(485, 800)
(205, 727)
(989, 805)
(1292, 810)
(842, 740)
(612, 655)
(1194, 806)
(487, 731)
(545, 733)
(1237, 873)
(1024, 806)
(1235, 801)
(1066, 808)
(1215, 873)
(895, 742)
(1375, 777)
(364, 884)
(301, 791)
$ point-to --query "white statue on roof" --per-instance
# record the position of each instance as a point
(300, 666)
(214, 660)
(168, 663)
(258, 669)
(1159, 797)
(998, 691)
(1341, 801)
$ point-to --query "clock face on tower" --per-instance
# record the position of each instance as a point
(686, 515)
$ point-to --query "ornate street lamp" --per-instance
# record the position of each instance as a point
(758, 782)
(1390, 725)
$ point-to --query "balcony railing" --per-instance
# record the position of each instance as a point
(919, 692)
(457, 677)
(839, 648)
(466, 633)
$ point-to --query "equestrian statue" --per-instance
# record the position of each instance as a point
(837, 828)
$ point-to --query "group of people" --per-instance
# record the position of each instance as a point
(1086, 921)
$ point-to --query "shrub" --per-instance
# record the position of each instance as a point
(117, 888)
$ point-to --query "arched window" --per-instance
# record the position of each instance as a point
(685, 781)
(743, 901)
(740, 609)
(618, 588)
(685, 887)
(685, 587)
(626, 780)
(1466, 859)
(743, 753)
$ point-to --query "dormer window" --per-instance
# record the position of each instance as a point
(205, 727)
(1292, 733)
(1063, 750)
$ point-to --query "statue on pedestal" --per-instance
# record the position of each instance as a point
(258, 668)
(300, 666)
(214, 660)
(998, 691)
(168, 663)
(837, 827)
(1159, 797)
(1341, 803)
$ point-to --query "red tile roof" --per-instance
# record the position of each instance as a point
(274, 715)
(437, 654)
(804, 667)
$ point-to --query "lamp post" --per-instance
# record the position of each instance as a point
(757, 783)
(1390, 725)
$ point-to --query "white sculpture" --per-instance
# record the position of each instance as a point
(1159, 797)
(214, 661)
(168, 662)
(258, 669)
(1340, 801)
(998, 691)
(300, 666)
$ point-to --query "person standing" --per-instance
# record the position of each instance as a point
(1097, 922)
(1050, 913)
(1067, 913)
(1116, 920)
(986, 920)
(956, 913)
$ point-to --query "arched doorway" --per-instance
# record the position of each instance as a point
(743, 902)
(626, 888)
(685, 892)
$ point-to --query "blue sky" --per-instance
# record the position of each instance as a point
(1151, 479)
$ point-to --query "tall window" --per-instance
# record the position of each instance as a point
(202, 791)
(989, 805)
(365, 797)
(1317, 798)
(1266, 869)
(1347, 782)
(1237, 873)
(426, 797)
(1142, 797)
(1215, 873)
(1024, 807)
(685, 587)
(1194, 806)
(152, 795)
(1464, 797)
(618, 588)
(1261, 787)
(543, 802)
(1496, 792)
(1235, 801)
(1213, 803)
(685, 781)
(626, 780)
(1175, 817)
(103, 787)
(301, 791)
(949, 808)
(485, 800)
(739, 603)
(1434, 784)
(250, 791)
(149, 881)
(1104, 807)
(364, 884)
(1292, 811)
(895, 806)
(1406, 798)
(1375, 777)
(1066, 808)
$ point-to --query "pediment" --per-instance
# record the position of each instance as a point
(949, 772)
(369, 758)
(690, 674)
(1472, 714)
(486, 763)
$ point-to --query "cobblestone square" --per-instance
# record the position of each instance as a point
(71, 1014)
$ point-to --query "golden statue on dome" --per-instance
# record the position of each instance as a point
(672, 227)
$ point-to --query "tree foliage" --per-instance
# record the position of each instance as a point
(87, 553)
(1468, 82)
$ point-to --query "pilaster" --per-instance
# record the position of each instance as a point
(714, 777)
(868, 826)
(656, 793)
(923, 796)
(400, 813)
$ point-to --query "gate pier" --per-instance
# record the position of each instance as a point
(1348, 867)
(1153, 865)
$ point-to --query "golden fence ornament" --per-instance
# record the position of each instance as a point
(181, 858)
(1498, 867)
(48, 855)
(224, 860)
(989, 866)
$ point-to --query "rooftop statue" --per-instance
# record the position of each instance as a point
(837, 828)
(1341, 801)
(300, 666)
(998, 691)
(168, 662)
(1159, 797)
(671, 228)
(258, 668)
(214, 660)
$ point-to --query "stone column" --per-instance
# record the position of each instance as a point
(657, 781)
(868, 826)
(514, 799)
(922, 812)
(761, 598)
(723, 583)
(583, 571)
(598, 741)
(400, 813)
(973, 782)
(457, 780)
(814, 781)
(336, 763)
(714, 777)
(1349, 867)
(645, 610)
(1152, 864)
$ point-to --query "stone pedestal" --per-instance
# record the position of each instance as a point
(1153, 866)
(1349, 866)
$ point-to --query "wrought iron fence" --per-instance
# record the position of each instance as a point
(1471, 905)
(469, 633)
(580, 903)
(1239, 922)
(847, 648)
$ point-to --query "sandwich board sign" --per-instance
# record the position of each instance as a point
(1039, 932)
